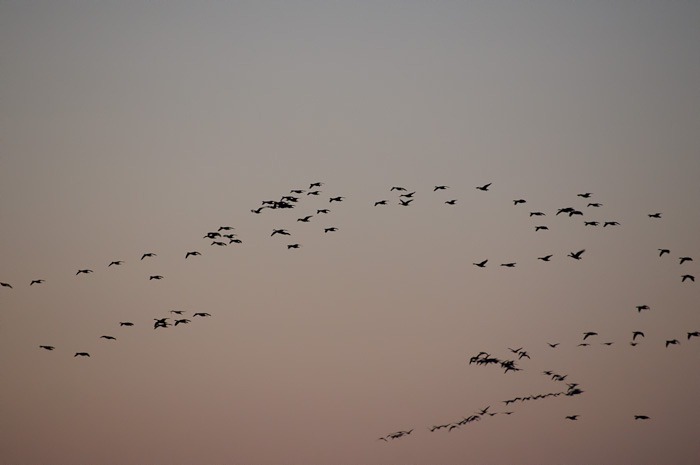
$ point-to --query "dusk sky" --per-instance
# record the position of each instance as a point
(139, 127)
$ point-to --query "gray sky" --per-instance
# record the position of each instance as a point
(130, 127)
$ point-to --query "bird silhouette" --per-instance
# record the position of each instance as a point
(315, 184)
(595, 204)
(148, 254)
(36, 281)
(182, 321)
(336, 199)
(225, 228)
(201, 314)
(537, 214)
(687, 276)
(642, 307)
(641, 417)
(485, 187)
(545, 258)
(694, 334)
(451, 202)
(591, 223)
(572, 417)
(438, 188)
(293, 246)
(110, 338)
(305, 219)
(380, 202)
(193, 253)
(611, 223)
(541, 228)
(577, 255)
(81, 354)
(177, 312)
(508, 265)
(157, 277)
(283, 232)
(637, 333)
(654, 215)
(588, 334)
(672, 342)
(553, 346)
(405, 203)
(685, 259)
(115, 262)
(663, 251)
(585, 195)
(126, 323)
(47, 347)
(481, 264)
(323, 210)
(518, 201)
(331, 229)
(83, 272)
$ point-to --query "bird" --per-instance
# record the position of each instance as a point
(572, 417)
(257, 211)
(398, 188)
(193, 253)
(589, 333)
(409, 195)
(553, 346)
(642, 307)
(313, 193)
(380, 202)
(148, 254)
(235, 241)
(283, 232)
(315, 184)
(219, 243)
(331, 229)
(545, 258)
(641, 417)
(438, 188)
(672, 342)
(201, 314)
(226, 228)
(687, 276)
(577, 255)
(595, 204)
(637, 333)
(293, 246)
(157, 276)
(485, 187)
(305, 219)
(115, 262)
(591, 223)
(183, 321)
(537, 214)
(83, 272)
(611, 223)
(323, 210)
(405, 203)
(517, 201)
(110, 338)
(451, 202)
(36, 281)
(211, 235)
(585, 195)
(654, 215)
(336, 199)
(541, 228)
(508, 265)
(126, 323)
(663, 251)
(481, 264)
(47, 347)
(81, 354)
(160, 323)
(177, 312)
(694, 334)
(685, 259)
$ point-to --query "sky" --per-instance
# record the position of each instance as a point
(139, 127)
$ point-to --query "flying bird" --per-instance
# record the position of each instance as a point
(81, 354)
(663, 251)
(572, 417)
(193, 253)
(336, 199)
(537, 214)
(687, 276)
(545, 258)
(438, 188)
(451, 202)
(47, 347)
(577, 255)
(305, 219)
(283, 232)
(157, 276)
(694, 334)
(595, 204)
(642, 307)
(148, 254)
(36, 281)
(110, 338)
(481, 264)
(177, 312)
(508, 265)
(517, 201)
(115, 262)
(82, 272)
(672, 342)
(332, 229)
(685, 259)
(637, 333)
(641, 417)
(589, 333)
(611, 223)
(380, 202)
(654, 215)
(126, 323)
(541, 228)
(485, 187)
(201, 314)
(323, 210)
(184, 321)
(585, 195)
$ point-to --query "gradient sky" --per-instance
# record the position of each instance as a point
(133, 127)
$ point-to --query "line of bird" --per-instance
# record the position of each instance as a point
(405, 198)
(159, 323)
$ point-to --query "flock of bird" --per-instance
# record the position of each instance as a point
(405, 198)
